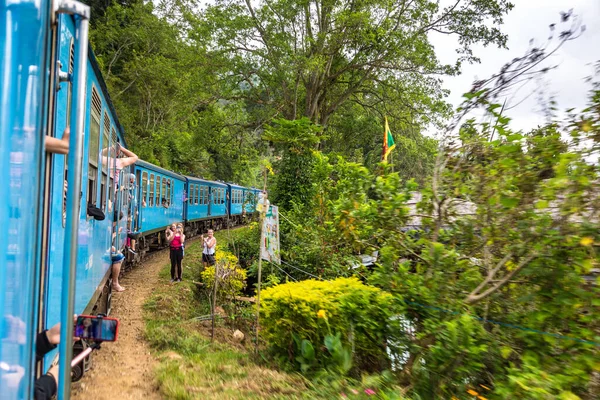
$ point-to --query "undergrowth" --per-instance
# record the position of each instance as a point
(191, 367)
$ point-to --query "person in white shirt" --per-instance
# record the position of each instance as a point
(209, 244)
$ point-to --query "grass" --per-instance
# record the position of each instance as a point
(190, 366)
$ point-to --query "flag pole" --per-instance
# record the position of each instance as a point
(263, 214)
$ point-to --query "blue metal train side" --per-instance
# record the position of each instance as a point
(236, 199)
(218, 200)
(199, 204)
(160, 204)
(24, 26)
(98, 188)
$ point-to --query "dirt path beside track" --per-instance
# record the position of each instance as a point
(123, 369)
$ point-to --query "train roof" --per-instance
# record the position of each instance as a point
(147, 165)
(214, 183)
(235, 185)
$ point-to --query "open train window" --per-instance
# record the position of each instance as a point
(105, 144)
(144, 188)
(151, 198)
(168, 196)
(164, 192)
(202, 188)
(197, 194)
(172, 189)
(157, 197)
(206, 195)
(93, 146)
(111, 161)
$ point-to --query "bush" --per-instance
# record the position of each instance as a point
(232, 278)
(311, 324)
(245, 243)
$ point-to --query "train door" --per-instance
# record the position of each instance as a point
(65, 185)
(62, 94)
(24, 30)
(210, 200)
(137, 207)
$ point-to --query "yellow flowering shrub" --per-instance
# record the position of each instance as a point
(232, 278)
(313, 309)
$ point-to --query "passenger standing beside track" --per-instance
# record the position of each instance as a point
(209, 244)
(176, 238)
(180, 227)
(117, 257)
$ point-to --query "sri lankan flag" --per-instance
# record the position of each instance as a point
(388, 141)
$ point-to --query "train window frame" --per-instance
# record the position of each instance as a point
(106, 125)
(111, 160)
(157, 193)
(144, 188)
(163, 191)
(151, 191)
(94, 133)
(168, 191)
(172, 189)
(68, 125)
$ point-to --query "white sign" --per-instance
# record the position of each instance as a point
(269, 248)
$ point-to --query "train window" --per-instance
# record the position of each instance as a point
(105, 144)
(151, 198)
(111, 160)
(168, 191)
(163, 199)
(144, 188)
(172, 190)
(203, 194)
(157, 198)
(93, 146)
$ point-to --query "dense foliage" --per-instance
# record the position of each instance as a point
(493, 282)
(195, 87)
(345, 317)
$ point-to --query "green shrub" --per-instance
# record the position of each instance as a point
(302, 323)
(232, 278)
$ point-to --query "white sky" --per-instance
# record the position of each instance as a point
(530, 19)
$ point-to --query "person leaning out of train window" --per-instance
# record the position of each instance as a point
(117, 257)
(45, 386)
(56, 145)
(176, 239)
(125, 158)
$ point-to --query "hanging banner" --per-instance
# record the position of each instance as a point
(269, 249)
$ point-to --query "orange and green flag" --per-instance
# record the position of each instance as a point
(388, 141)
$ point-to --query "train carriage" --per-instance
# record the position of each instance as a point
(160, 202)
(206, 205)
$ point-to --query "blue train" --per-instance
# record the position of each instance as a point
(62, 214)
